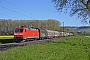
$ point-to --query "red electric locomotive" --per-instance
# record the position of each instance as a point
(23, 34)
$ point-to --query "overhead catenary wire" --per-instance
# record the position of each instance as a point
(9, 3)
(15, 7)
(14, 11)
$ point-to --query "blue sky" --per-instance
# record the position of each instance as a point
(35, 9)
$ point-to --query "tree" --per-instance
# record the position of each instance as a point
(79, 7)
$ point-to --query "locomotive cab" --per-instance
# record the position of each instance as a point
(18, 34)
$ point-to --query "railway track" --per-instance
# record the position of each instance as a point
(6, 46)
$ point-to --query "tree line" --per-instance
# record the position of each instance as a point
(7, 26)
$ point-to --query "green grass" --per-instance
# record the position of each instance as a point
(73, 48)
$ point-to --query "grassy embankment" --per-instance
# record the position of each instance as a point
(73, 48)
(6, 39)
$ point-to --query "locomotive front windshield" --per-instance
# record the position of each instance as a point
(19, 30)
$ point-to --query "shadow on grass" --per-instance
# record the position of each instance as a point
(3, 41)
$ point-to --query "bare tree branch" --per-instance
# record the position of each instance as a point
(79, 7)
